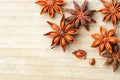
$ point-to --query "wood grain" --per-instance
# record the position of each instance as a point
(25, 53)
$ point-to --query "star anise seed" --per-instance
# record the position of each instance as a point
(112, 11)
(62, 34)
(105, 40)
(113, 58)
(80, 15)
(51, 6)
(92, 61)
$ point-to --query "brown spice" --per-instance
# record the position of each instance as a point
(114, 58)
(92, 61)
(80, 15)
(105, 40)
(112, 11)
(51, 6)
(80, 53)
(62, 34)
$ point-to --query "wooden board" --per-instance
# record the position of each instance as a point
(25, 53)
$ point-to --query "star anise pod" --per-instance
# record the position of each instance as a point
(51, 6)
(62, 34)
(112, 11)
(105, 40)
(80, 15)
(80, 53)
(113, 58)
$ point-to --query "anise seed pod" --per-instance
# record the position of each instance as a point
(112, 11)
(51, 6)
(105, 40)
(80, 15)
(80, 53)
(62, 34)
(113, 58)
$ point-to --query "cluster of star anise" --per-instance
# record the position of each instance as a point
(107, 41)
(81, 16)
(63, 34)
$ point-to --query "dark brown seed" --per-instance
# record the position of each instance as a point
(92, 61)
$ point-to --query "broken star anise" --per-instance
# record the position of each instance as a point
(113, 58)
(105, 40)
(51, 6)
(80, 15)
(80, 53)
(62, 34)
(112, 11)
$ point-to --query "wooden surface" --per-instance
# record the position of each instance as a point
(25, 53)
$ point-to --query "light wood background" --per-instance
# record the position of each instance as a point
(25, 53)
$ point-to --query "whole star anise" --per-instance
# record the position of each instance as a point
(51, 6)
(113, 58)
(62, 34)
(112, 11)
(105, 40)
(80, 15)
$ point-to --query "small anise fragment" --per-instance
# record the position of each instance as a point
(105, 40)
(113, 58)
(80, 53)
(80, 15)
(112, 11)
(62, 34)
(51, 6)
(92, 61)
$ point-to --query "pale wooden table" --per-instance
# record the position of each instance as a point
(25, 53)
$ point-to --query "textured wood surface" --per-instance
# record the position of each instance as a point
(25, 53)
